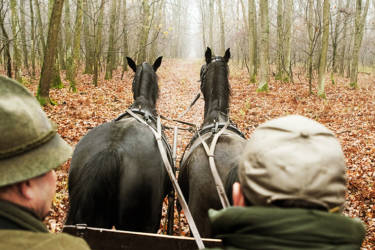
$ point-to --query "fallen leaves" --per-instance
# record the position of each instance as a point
(349, 113)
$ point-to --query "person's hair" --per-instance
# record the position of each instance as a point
(5, 189)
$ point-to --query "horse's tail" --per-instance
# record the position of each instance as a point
(94, 193)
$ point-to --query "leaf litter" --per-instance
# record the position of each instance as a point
(349, 113)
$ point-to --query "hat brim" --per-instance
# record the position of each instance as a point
(35, 162)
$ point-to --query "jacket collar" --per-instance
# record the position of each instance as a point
(285, 228)
(17, 217)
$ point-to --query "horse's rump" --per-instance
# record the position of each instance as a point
(119, 181)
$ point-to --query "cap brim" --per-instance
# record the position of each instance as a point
(35, 162)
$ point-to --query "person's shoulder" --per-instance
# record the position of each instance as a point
(17, 239)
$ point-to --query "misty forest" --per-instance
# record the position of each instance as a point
(315, 58)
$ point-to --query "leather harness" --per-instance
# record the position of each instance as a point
(167, 163)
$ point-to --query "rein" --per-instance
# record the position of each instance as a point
(210, 153)
(158, 136)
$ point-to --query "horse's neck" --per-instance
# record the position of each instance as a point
(144, 104)
(213, 116)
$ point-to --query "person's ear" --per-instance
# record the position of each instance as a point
(25, 190)
(237, 195)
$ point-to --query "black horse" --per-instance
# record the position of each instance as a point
(195, 177)
(117, 176)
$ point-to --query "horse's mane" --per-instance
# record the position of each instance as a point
(145, 87)
(216, 88)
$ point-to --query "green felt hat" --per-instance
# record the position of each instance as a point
(29, 143)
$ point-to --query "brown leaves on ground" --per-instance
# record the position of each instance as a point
(349, 113)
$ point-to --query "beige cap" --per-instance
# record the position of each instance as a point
(293, 158)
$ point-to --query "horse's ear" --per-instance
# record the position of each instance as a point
(132, 64)
(208, 55)
(157, 63)
(227, 55)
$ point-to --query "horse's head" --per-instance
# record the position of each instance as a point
(145, 84)
(215, 86)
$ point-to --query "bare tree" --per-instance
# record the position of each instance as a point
(125, 40)
(73, 61)
(344, 46)
(50, 54)
(143, 35)
(6, 42)
(98, 30)
(264, 47)
(323, 54)
(211, 27)
(23, 34)
(280, 40)
(32, 37)
(360, 20)
(222, 28)
(252, 35)
(16, 52)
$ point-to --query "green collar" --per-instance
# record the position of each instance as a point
(285, 228)
(21, 217)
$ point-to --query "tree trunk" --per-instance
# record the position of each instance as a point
(360, 20)
(344, 39)
(23, 35)
(111, 42)
(287, 76)
(211, 23)
(7, 57)
(98, 43)
(245, 15)
(252, 35)
(73, 62)
(32, 37)
(222, 31)
(40, 25)
(16, 52)
(50, 54)
(68, 33)
(87, 39)
(61, 53)
(203, 15)
(144, 32)
(117, 31)
(177, 37)
(125, 40)
(335, 38)
(154, 43)
(280, 35)
(264, 47)
(312, 38)
(323, 56)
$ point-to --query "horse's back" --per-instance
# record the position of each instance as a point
(197, 180)
(117, 163)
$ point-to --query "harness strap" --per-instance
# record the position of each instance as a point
(210, 153)
(168, 167)
(192, 126)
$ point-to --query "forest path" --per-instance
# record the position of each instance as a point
(178, 85)
(349, 113)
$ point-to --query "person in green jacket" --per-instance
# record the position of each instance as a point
(30, 150)
(290, 193)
